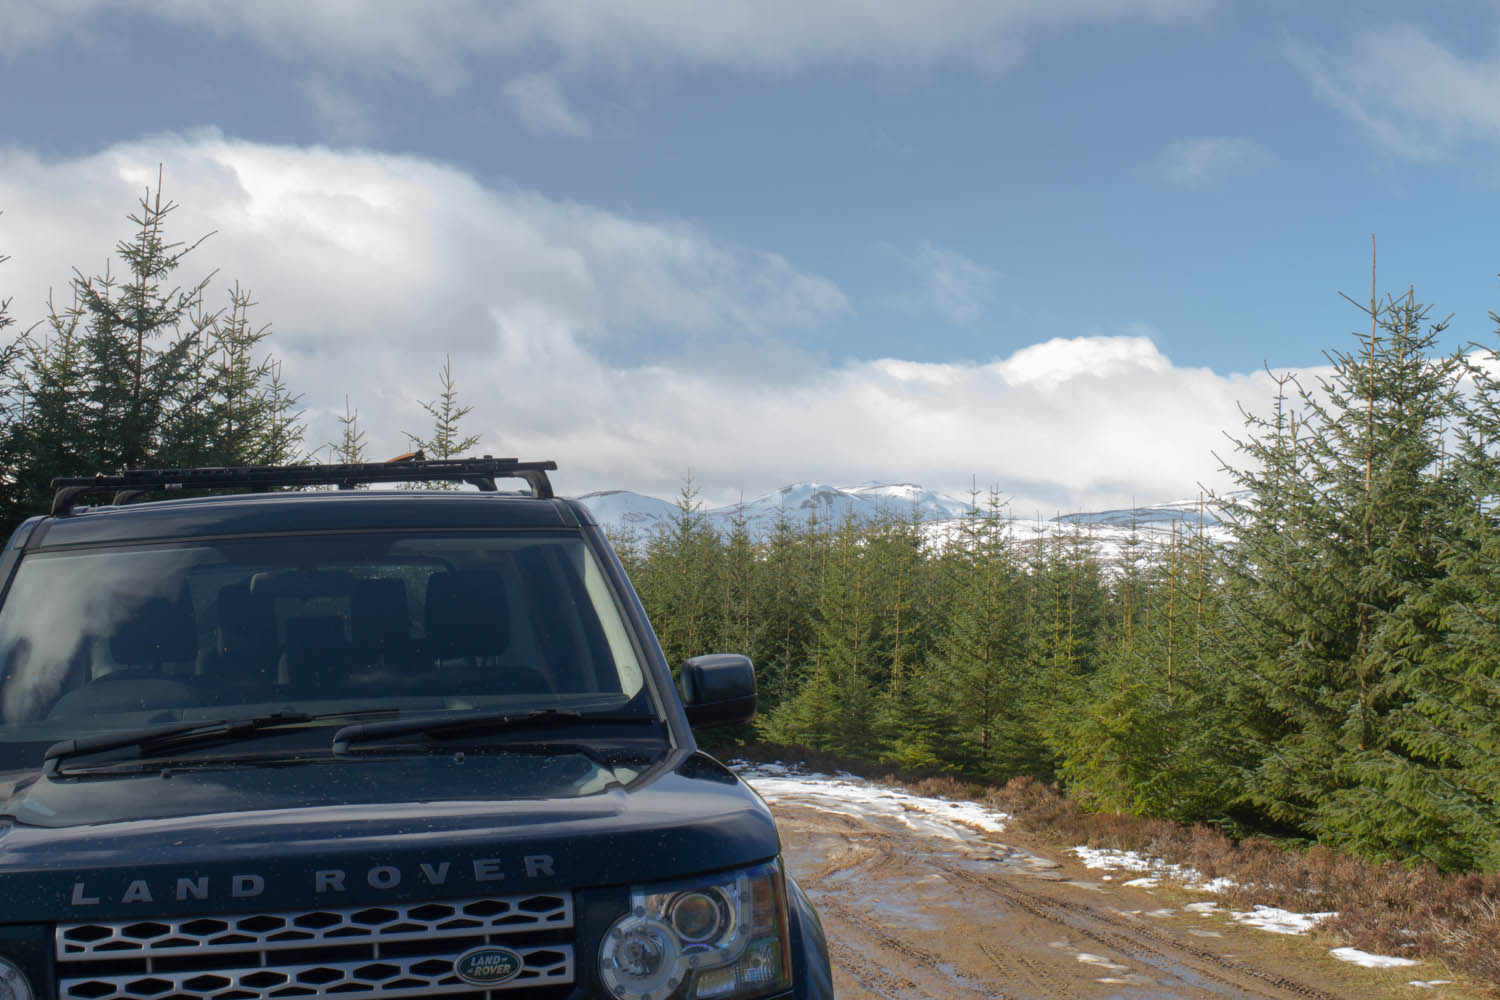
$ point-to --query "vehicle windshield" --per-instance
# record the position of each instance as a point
(100, 640)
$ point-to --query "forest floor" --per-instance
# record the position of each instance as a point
(928, 899)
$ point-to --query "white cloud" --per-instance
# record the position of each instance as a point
(951, 285)
(438, 41)
(346, 115)
(1194, 162)
(373, 267)
(540, 102)
(1411, 93)
(530, 49)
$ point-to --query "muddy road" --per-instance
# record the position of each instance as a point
(923, 907)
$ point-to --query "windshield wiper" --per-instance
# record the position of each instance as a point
(152, 739)
(450, 725)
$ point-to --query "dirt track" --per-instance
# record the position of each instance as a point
(912, 916)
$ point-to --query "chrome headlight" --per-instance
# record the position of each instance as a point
(13, 982)
(720, 937)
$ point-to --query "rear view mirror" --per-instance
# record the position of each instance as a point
(718, 689)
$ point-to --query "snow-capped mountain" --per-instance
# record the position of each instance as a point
(623, 510)
(1107, 532)
(1186, 513)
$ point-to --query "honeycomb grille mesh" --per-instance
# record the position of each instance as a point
(398, 950)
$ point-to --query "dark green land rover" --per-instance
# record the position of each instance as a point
(268, 742)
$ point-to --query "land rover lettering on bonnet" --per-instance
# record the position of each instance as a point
(260, 739)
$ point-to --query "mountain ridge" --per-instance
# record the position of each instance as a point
(627, 513)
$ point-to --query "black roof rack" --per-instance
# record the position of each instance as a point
(132, 483)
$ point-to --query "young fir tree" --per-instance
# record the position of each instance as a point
(350, 447)
(1448, 729)
(49, 435)
(901, 566)
(977, 673)
(782, 612)
(1068, 609)
(243, 401)
(835, 708)
(737, 585)
(140, 340)
(135, 371)
(281, 443)
(1156, 734)
(447, 439)
(12, 414)
(1338, 553)
(680, 589)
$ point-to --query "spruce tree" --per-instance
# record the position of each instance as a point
(782, 610)
(835, 708)
(680, 590)
(136, 371)
(1348, 508)
(49, 436)
(1447, 774)
(140, 339)
(1157, 734)
(12, 414)
(349, 449)
(980, 660)
(280, 442)
(447, 439)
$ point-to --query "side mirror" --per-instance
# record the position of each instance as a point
(718, 689)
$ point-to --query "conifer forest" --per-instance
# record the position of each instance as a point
(1328, 672)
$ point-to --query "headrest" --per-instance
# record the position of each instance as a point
(467, 614)
(314, 639)
(379, 605)
(247, 624)
(159, 630)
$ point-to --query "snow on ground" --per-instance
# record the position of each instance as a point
(961, 821)
(945, 818)
(1370, 961)
(1130, 861)
(1153, 869)
(1266, 918)
(1279, 921)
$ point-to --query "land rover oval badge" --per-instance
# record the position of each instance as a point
(488, 965)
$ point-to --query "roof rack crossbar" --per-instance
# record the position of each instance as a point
(131, 483)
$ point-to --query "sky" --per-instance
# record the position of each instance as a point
(1049, 247)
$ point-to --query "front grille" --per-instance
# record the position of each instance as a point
(398, 950)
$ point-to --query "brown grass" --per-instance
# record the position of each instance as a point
(1385, 908)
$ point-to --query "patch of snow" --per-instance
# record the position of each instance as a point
(1202, 907)
(1279, 921)
(945, 818)
(1131, 861)
(1368, 960)
(1134, 861)
(1148, 882)
(1429, 984)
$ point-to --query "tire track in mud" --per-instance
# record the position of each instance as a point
(918, 960)
(1135, 941)
(854, 864)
